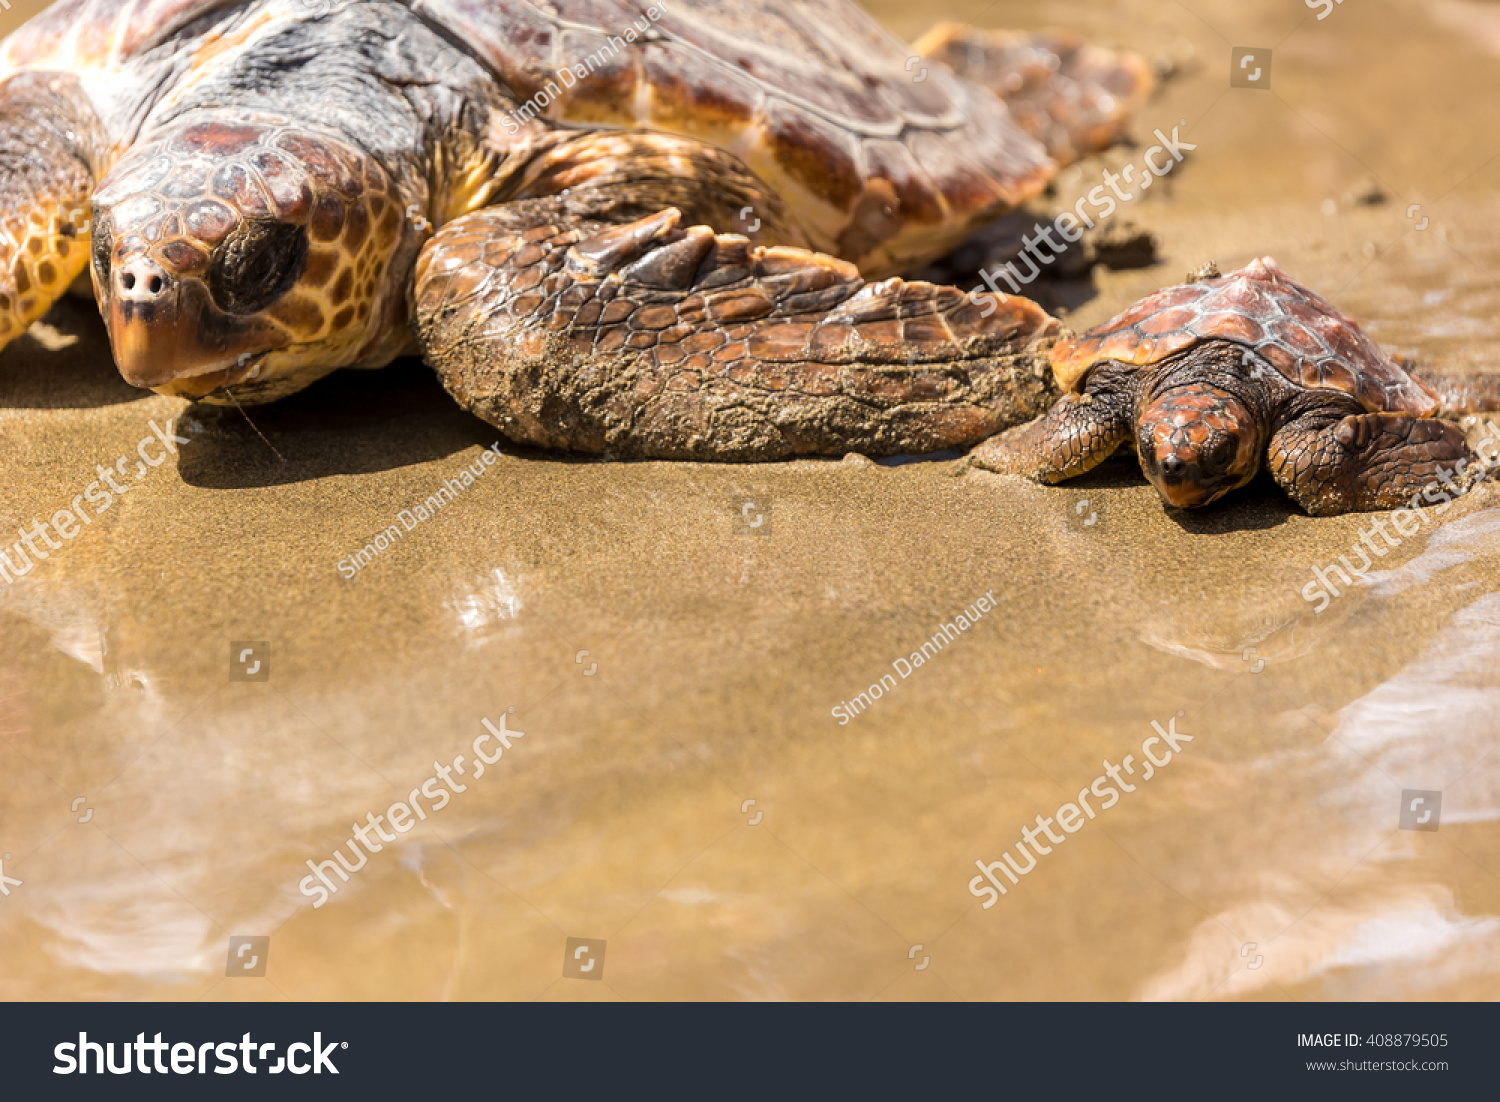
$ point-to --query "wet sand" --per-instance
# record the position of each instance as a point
(668, 664)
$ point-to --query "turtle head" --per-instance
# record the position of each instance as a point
(1197, 442)
(248, 254)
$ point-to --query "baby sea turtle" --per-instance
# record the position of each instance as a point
(1211, 378)
(647, 229)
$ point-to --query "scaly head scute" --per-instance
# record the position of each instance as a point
(1197, 442)
(251, 253)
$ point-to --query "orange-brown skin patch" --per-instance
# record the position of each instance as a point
(48, 138)
(321, 264)
(220, 43)
(38, 260)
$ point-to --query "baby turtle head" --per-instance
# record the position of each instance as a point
(251, 254)
(1197, 442)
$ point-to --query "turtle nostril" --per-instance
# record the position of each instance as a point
(1172, 465)
(143, 281)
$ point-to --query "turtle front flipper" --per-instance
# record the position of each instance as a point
(652, 340)
(1072, 97)
(49, 136)
(1369, 461)
(1073, 437)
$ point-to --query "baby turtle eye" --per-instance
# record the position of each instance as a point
(103, 246)
(1223, 453)
(256, 266)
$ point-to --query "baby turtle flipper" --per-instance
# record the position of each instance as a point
(651, 340)
(48, 137)
(1371, 461)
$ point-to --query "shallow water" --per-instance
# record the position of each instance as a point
(668, 664)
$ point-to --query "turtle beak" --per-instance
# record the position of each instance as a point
(1185, 484)
(167, 336)
(145, 303)
(1189, 495)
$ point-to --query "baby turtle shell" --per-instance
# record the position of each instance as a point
(1292, 328)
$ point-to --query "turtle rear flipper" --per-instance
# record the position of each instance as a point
(49, 136)
(1072, 97)
(649, 339)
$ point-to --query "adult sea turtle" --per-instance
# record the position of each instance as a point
(665, 229)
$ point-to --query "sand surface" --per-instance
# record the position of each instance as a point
(683, 791)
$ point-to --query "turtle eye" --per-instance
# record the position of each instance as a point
(103, 246)
(256, 266)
